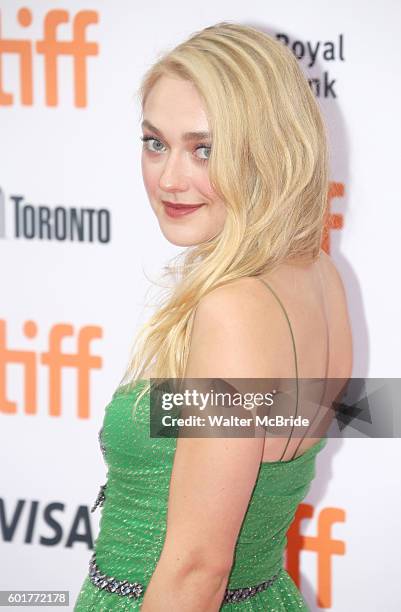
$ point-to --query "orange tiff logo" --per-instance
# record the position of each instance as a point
(50, 47)
(322, 544)
(333, 221)
(55, 360)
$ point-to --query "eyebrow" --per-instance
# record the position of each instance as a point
(185, 137)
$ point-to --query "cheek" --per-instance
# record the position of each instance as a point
(150, 176)
(205, 187)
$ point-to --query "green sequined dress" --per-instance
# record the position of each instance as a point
(133, 521)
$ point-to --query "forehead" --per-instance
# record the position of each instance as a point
(175, 102)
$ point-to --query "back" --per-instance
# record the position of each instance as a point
(312, 337)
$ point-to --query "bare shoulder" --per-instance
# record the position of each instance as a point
(241, 299)
(238, 287)
(235, 333)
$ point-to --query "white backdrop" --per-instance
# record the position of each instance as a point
(65, 157)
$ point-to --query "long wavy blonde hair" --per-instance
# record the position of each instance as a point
(269, 164)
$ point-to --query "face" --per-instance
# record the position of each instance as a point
(176, 147)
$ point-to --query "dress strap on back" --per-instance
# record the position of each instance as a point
(295, 360)
(288, 321)
(295, 351)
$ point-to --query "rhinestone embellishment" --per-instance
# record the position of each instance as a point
(99, 501)
(234, 595)
(111, 584)
(136, 589)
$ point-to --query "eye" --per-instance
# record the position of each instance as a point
(146, 139)
(205, 148)
(158, 149)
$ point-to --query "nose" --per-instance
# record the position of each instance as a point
(173, 177)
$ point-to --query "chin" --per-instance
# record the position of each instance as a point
(181, 240)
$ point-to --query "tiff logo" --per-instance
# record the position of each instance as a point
(323, 544)
(56, 360)
(50, 47)
(333, 221)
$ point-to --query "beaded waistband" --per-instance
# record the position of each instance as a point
(135, 590)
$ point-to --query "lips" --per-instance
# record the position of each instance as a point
(181, 206)
(177, 211)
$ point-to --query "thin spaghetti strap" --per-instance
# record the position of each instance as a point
(288, 320)
(295, 355)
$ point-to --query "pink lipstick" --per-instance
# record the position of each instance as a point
(179, 210)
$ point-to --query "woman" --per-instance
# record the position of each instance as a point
(231, 128)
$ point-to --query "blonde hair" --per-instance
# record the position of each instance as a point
(268, 163)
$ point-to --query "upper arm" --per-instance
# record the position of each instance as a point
(213, 478)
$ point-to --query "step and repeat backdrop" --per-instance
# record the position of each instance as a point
(80, 250)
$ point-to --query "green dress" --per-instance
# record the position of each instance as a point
(133, 522)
